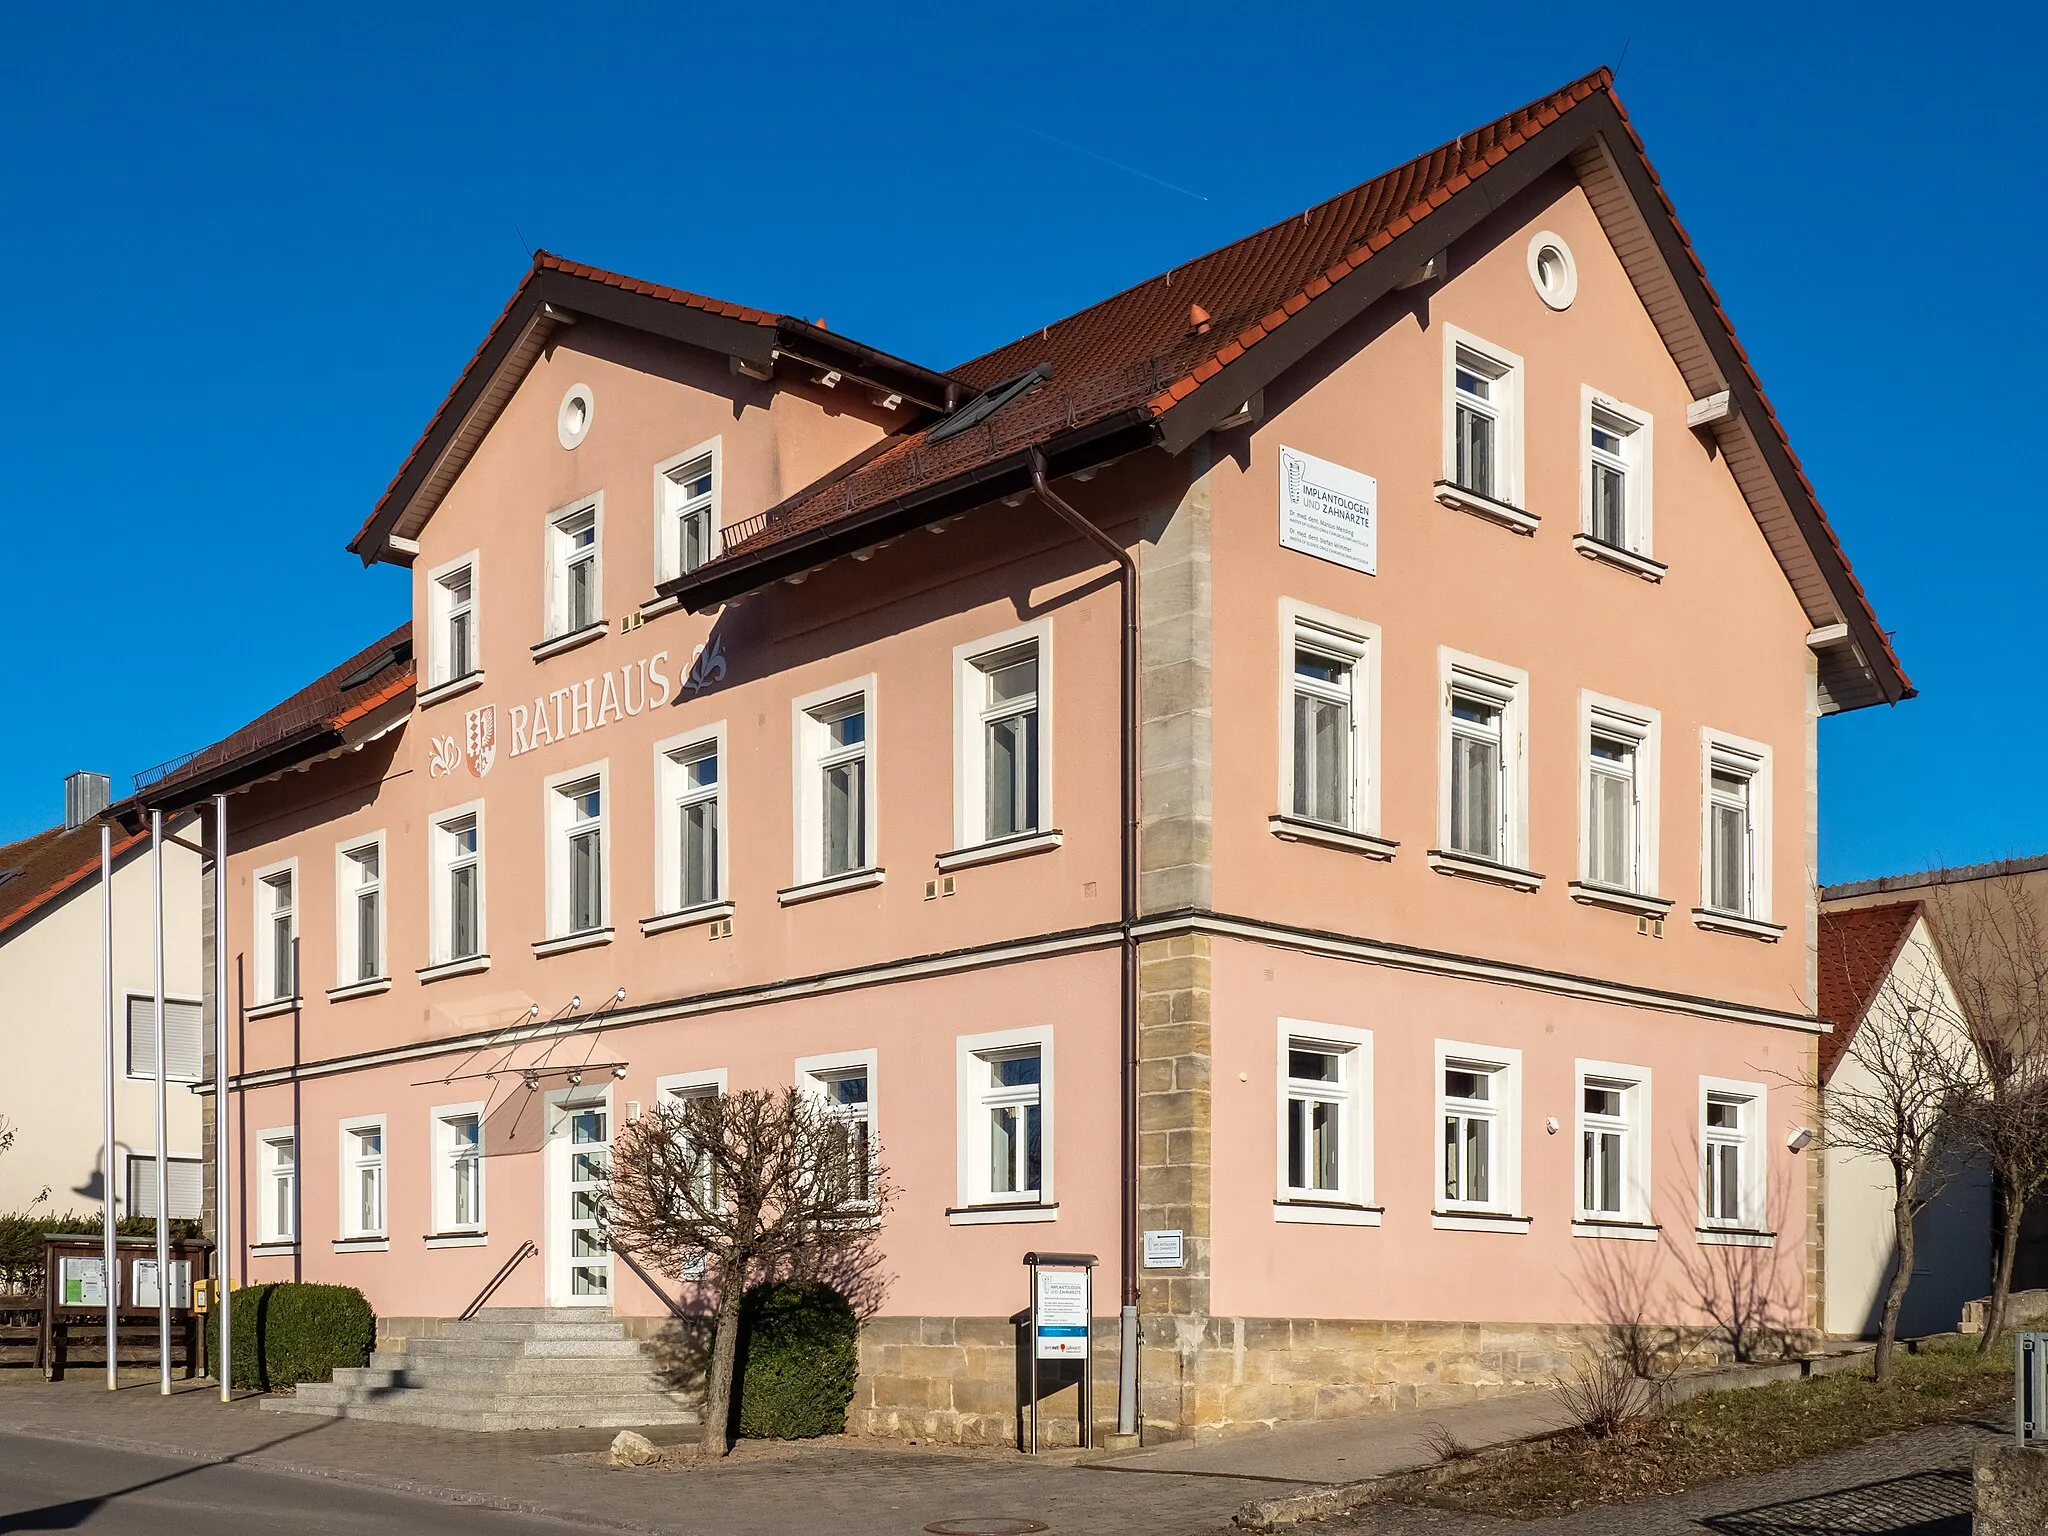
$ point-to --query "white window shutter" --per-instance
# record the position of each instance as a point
(184, 1043)
(185, 1177)
(141, 1037)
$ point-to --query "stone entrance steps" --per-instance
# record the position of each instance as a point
(507, 1368)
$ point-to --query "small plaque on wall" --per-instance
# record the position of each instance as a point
(1329, 511)
(1163, 1250)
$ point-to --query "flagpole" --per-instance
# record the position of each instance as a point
(163, 1167)
(223, 1248)
(109, 1266)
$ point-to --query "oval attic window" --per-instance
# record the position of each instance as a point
(1552, 271)
(572, 422)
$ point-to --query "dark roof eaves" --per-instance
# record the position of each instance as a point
(1954, 874)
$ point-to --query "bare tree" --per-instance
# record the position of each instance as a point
(1995, 941)
(734, 1188)
(1895, 1098)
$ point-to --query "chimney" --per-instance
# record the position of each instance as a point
(85, 796)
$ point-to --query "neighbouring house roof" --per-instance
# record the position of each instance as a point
(37, 870)
(1857, 948)
(313, 720)
(1955, 874)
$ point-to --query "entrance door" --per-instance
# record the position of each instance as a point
(579, 1157)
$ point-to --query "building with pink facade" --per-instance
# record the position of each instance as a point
(1299, 780)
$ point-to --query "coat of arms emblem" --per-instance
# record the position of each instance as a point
(482, 741)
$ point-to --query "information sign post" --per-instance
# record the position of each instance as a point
(1062, 1319)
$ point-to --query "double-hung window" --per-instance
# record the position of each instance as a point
(689, 498)
(277, 930)
(359, 913)
(1614, 1142)
(1482, 429)
(362, 1178)
(574, 572)
(1617, 475)
(844, 1089)
(1325, 1148)
(1002, 736)
(694, 1096)
(277, 1214)
(1620, 788)
(1485, 769)
(690, 822)
(451, 620)
(458, 869)
(458, 1132)
(1479, 1129)
(835, 783)
(576, 806)
(1735, 835)
(1328, 722)
(1004, 1116)
(1731, 1159)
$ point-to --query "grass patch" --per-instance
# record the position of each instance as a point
(1721, 1435)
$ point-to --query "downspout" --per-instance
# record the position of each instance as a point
(1127, 585)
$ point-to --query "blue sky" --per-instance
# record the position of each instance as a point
(251, 251)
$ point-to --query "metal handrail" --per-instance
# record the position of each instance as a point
(525, 1250)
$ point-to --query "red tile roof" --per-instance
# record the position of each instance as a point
(37, 870)
(1857, 948)
(371, 678)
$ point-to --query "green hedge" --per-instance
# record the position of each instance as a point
(21, 1241)
(286, 1334)
(799, 1354)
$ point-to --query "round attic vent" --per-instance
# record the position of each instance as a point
(572, 422)
(1552, 271)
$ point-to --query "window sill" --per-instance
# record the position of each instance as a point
(815, 890)
(1735, 1237)
(1477, 1221)
(1620, 559)
(1327, 1213)
(1000, 849)
(1000, 1215)
(1588, 894)
(569, 943)
(1299, 829)
(468, 965)
(272, 1009)
(362, 1245)
(570, 641)
(688, 917)
(368, 988)
(1445, 862)
(1628, 1231)
(449, 689)
(655, 607)
(1456, 496)
(456, 1239)
(277, 1250)
(1730, 922)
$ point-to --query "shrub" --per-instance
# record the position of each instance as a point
(799, 1354)
(288, 1333)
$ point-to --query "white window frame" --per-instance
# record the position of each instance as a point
(1636, 461)
(558, 552)
(264, 947)
(708, 1082)
(809, 738)
(1504, 1065)
(1351, 1203)
(1356, 643)
(1751, 760)
(970, 746)
(351, 1165)
(1642, 727)
(670, 757)
(974, 1097)
(441, 861)
(557, 810)
(1633, 1124)
(1755, 1118)
(811, 1074)
(441, 1140)
(1507, 688)
(1507, 411)
(441, 609)
(268, 1231)
(147, 1073)
(668, 497)
(348, 889)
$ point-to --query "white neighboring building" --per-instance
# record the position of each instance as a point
(1860, 950)
(51, 1023)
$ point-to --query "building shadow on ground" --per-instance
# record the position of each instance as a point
(1924, 1504)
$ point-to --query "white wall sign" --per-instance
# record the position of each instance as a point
(144, 1292)
(1163, 1250)
(1329, 511)
(1062, 1314)
(82, 1282)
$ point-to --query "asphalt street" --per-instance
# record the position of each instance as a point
(60, 1485)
